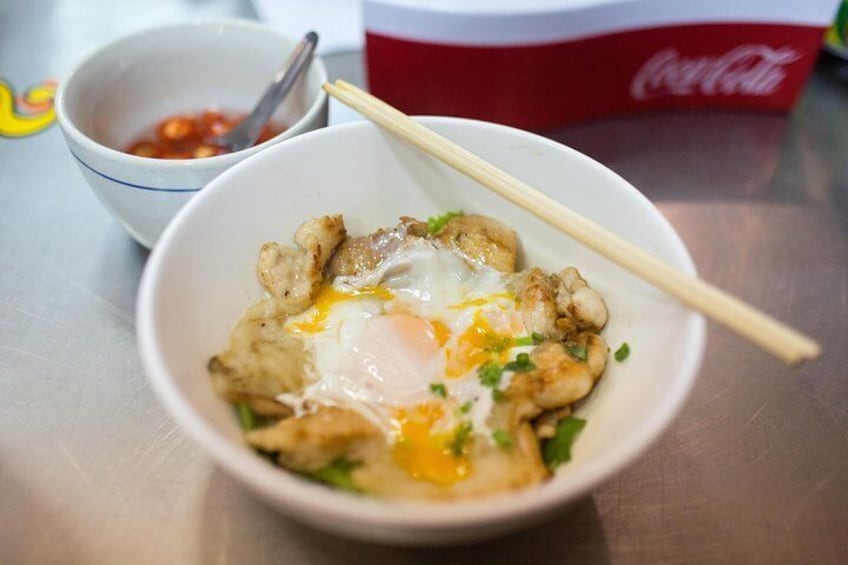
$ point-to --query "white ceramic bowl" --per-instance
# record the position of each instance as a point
(128, 86)
(189, 301)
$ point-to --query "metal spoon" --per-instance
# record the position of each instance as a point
(247, 132)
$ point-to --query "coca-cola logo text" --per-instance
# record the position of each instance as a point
(751, 70)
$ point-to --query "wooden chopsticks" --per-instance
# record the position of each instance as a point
(775, 337)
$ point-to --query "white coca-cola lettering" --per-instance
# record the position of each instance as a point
(751, 70)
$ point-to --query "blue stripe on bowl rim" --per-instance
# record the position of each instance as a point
(129, 184)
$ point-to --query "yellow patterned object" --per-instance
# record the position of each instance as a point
(28, 114)
(836, 37)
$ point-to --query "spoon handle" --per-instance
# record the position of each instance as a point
(246, 134)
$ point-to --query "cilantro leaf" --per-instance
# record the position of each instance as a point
(436, 223)
(466, 408)
(557, 450)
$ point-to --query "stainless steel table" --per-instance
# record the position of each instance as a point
(755, 469)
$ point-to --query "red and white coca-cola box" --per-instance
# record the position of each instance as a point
(539, 64)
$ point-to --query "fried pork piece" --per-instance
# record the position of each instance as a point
(293, 275)
(263, 361)
(493, 470)
(315, 440)
(558, 380)
(558, 306)
(358, 254)
(578, 302)
(482, 240)
(537, 302)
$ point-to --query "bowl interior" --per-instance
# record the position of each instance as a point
(124, 90)
(201, 278)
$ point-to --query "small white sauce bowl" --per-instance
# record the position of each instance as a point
(126, 87)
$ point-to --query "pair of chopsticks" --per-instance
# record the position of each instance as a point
(773, 336)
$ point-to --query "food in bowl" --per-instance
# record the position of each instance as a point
(415, 361)
(201, 278)
(136, 81)
(193, 136)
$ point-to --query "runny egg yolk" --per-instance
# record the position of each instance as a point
(441, 332)
(421, 340)
(425, 450)
(375, 346)
(327, 298)
(476, 346)
(483, 300)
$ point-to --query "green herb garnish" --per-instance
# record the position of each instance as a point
(436, 223)
(522, 341)
(534, 338)
(577, 351)
(460, 439)
(502, 439)
(622, 352)
(466, 408)
(438, 389)
(246, 417)
(337, 474)
(522, 364)
(557, 450)
(496, 344)
(490, 375)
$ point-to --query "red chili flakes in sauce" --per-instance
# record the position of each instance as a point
(191, 136)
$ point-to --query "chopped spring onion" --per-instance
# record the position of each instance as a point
(460, 439)
(497, 344)
(502, 439)
(622, 352)
(522, 341)
(337, 474)
(490, 374)
(438, 389)
(557, 450)
(522, 364)
(577, 351)
(436, 223)
(246, 417)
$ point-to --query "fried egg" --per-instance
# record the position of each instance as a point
(402, 345)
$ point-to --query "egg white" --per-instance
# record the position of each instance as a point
(368, 357)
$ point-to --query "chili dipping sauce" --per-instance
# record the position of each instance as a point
(192, 136)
